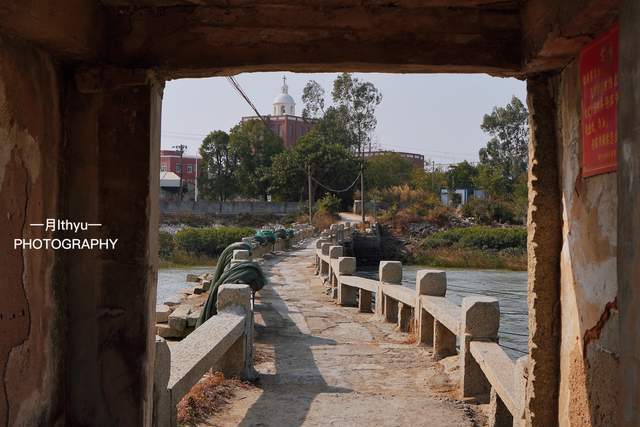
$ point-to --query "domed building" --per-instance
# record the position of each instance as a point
(283, 104)
(283, 120)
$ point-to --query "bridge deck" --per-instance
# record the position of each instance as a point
(321, 364)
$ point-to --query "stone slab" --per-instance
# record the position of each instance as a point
(166, 331)
(178, 319)
(162, 313)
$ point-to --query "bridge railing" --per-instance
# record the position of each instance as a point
(469, 331)
(223, 343)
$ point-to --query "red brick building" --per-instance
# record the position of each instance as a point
(283, 120)
(188, 166)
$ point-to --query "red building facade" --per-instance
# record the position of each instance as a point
(283, 120)
(289, 128)
(188, 166)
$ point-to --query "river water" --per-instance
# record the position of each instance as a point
(509, 287)
(173, 280)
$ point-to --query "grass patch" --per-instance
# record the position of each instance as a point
(207, 398)
(197, 246)
(475, 247)
(453, 257)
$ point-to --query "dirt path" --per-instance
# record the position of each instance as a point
(321, 364)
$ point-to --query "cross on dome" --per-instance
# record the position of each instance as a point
(283, 104)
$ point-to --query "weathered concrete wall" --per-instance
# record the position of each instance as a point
(628, 217)
(112, 128)
(589, 342)
(544, 241)
(30, 312)
(230, 208)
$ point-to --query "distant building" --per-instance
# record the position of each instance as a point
(283, 120)
(169, 185)
(417, 160)
(461, 196)
(188, 166)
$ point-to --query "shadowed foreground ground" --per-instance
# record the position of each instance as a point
(321, 364)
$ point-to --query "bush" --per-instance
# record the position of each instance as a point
(167, 245)
(209, 241)
(488, 211)
(328, 204)
(402, 205)
(322, 220)
(495, 239)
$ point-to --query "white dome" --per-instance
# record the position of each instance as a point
(283, 103)
(284, 98)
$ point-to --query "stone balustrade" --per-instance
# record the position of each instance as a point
(469, 331)
(222, 343)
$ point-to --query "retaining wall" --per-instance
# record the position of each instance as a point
(203, 207)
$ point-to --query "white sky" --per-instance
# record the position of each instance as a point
(437, 115)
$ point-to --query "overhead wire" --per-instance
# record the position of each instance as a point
(333, 190)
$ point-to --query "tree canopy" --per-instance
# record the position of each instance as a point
(387, 170)
(219, 163)
(507, 150)
(256, 146)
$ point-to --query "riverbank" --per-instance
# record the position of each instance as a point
(481, 247)
(469, 258)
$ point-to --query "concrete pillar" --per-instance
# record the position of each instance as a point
(237, 298)
(240, 255)
(480, 322)
(161, 396)
(318, 245)
(404, 316)
(112, 129)
(390, 309)
(346, 294)
(499, 415)
(544, 242)
(520, 375)
(444, 341)
(389, 272)
(334, 253)
(364, 301)
(431, 283)
(324, 266)
(628, 255)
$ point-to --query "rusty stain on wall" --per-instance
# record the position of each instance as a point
(593, 333)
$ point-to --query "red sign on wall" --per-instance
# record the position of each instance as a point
(599, 88)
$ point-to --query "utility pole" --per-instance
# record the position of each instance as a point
(362, 187)
(180, 149)
(433, 173)
(310, 196)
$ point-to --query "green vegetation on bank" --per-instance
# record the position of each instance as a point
(475, 247)
(198, 246)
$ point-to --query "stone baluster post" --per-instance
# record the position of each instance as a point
(161, 396)
(324, 266)
(335, 252)
(520, 376)
(390, 273)
(480, 322)
(236, 298)
(429, 283)
(318, 245)
(240, 255)
(346, 294)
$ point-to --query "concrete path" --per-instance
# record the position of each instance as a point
(325, 365)
(351, 217)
